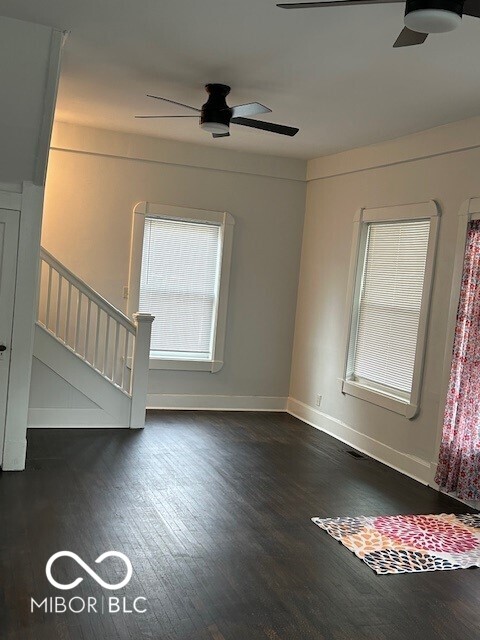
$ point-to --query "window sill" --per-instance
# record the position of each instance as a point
(403, 407)
(185, 365)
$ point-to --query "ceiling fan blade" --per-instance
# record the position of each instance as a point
(332, 3)
(220, 135)
(166, 116)
(180, 104)
(471, 8)
(266, 126)
(408, 38)
(250, 109)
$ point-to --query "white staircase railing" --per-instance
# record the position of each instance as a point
(96, 331)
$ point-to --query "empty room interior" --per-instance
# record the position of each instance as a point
(240, 320)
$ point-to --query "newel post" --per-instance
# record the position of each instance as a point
(141, 358)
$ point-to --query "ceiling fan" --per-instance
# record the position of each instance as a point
(421, 16)
(215, 115)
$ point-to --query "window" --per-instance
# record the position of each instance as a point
(390, 304)
(393, 268)
(181, 277)
(179, 286)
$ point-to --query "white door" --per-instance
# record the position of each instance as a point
(8, 266)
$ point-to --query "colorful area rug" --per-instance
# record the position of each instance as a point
(407, 544)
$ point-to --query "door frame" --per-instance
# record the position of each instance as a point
(27, 199)
(10, 240)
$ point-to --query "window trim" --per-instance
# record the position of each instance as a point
(226, 223)
(397, 213)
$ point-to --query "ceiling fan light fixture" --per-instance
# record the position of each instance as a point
(214, 127)
(432, 20)
(216, 115)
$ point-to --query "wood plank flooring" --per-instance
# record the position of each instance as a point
(213, 510)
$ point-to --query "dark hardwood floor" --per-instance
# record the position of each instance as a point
(213, 510)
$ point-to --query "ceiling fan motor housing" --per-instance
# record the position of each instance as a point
(433, 16)
(216, 114)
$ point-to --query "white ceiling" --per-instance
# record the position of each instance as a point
(332, 72)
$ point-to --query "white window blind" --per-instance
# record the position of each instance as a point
(179, 286)
(390, 304)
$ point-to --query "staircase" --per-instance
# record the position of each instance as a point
(91, 361)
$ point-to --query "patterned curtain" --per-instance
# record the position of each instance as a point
(459, 462)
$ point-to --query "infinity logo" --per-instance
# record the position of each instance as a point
(96, 577)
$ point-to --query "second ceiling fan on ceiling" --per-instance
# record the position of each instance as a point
(422, 17)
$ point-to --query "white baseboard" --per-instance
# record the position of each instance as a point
(409, 465)
(68, 418)
(433, 473)
(216, 403)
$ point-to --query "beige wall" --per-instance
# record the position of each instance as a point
(95, 178)
(408, 170)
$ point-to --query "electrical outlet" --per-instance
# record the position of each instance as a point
(318, 400)
(125, 293)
